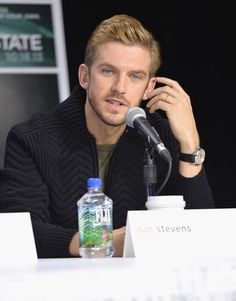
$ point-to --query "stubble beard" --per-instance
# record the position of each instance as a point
(98, 111)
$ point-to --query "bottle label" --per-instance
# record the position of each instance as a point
(103, 216)
(95, 225)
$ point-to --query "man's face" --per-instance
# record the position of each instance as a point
(117, 80)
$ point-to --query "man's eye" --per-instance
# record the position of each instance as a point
(107, 71)
(135, 76)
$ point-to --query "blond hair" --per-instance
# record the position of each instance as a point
(125, 29)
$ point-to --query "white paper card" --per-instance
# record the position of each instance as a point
(17, 245)
(190, 234)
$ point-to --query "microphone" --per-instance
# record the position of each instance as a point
(136, 118)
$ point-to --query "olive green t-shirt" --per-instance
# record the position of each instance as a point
(104, 154)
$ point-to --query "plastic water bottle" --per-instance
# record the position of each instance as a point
(95, 222)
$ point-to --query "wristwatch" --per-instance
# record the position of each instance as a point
(196, 158)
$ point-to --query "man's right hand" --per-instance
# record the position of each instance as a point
(118, 241)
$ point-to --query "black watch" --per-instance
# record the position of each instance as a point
(196, 158)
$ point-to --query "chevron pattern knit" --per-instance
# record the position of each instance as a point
(49, 158)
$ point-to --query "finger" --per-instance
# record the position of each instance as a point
(158, 104)
(174, 96)
(164, 97)
(171, 83)
(161, 93)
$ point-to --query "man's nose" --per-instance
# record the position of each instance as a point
(119, 84)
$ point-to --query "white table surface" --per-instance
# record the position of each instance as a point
(118, 279)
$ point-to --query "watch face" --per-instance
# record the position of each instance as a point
(200, 156)
(196, 158)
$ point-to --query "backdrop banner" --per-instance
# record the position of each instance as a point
(33, 62)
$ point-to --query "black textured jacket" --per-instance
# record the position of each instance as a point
(49, 158)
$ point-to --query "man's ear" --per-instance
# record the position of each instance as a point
(83, 76)
(150, 88)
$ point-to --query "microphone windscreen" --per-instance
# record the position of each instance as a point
(132, 114)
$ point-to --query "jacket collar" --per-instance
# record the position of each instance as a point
(71, 111)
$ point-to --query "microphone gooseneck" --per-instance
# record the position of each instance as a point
(136, 118)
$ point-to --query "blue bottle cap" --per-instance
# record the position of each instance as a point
(94, 182)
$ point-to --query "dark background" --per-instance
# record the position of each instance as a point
(196, 38)
(21, 95)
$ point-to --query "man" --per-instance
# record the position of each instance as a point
(50, 157)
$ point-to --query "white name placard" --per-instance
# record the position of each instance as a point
(190, 234)
(17, 240)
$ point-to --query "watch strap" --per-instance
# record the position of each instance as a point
(196, 158)
(187, 157)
